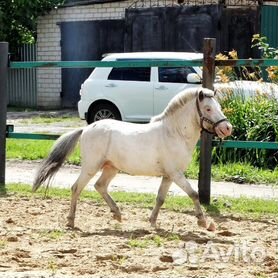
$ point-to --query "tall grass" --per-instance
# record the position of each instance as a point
(253, 119)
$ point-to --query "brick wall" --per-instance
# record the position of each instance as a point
(48, 44)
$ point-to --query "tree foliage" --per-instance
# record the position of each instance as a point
(18, 19)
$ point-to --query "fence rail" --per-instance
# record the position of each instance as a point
(145, 63)
(216, 143)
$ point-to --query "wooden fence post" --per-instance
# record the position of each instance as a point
(3, 109)
(206, 138)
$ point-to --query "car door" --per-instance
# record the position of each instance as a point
(132, 90)
(169, 81)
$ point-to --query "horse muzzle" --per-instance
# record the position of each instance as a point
(223, 129)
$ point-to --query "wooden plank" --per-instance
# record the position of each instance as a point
(204, 182)
(4, 46)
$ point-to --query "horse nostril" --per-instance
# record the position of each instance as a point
(229, 128)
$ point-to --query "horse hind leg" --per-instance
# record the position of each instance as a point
(108, 173)
(162, 192)
(76, 189)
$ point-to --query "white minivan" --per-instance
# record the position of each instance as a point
(135, 94)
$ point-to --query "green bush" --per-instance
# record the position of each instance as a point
(253, 119)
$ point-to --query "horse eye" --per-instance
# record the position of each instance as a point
(208, 109)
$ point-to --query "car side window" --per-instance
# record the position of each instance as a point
(174, 75)
(130, 74)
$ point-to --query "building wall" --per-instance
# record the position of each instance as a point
(48, 44)
(49, 36)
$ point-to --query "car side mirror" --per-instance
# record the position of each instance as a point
(193, 78)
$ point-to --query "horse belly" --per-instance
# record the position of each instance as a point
(136, 157)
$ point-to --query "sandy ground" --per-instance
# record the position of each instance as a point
(33, 239)
(35, 243)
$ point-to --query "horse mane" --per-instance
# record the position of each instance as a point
(179, 101)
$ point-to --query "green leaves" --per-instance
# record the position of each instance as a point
(267, 53)
(18, 19)
(253, 119)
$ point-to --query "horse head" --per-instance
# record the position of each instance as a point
(211, 116)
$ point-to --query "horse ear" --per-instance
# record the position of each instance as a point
(201, 95)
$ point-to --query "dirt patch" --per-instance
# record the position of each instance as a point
(33, 237)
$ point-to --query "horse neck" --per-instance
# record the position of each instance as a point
(184, 122)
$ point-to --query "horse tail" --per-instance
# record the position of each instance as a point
(60, 151)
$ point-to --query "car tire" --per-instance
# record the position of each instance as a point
(102, 111)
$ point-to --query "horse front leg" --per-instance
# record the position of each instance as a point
(181, 181)
(161, 195)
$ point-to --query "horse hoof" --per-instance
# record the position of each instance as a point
(211, 227)
(202, 223)
(153, 223)
(70, 225)
(117, 217)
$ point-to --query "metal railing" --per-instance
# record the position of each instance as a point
(22, 82)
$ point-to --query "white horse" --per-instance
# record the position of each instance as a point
(163, 147)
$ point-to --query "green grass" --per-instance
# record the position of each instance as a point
(3, 244)
(34, 150)
(235, 172)
(243, 206)
(52, 234)
(156, 240)
(139, 243)
(244, 173)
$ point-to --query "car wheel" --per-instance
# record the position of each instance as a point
(103, 111)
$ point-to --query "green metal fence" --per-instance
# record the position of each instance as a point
(269, 24)
(22, 82)
(216, 143)
(208, 64)
(148, 63)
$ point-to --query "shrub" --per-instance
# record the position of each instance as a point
(253, 119)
